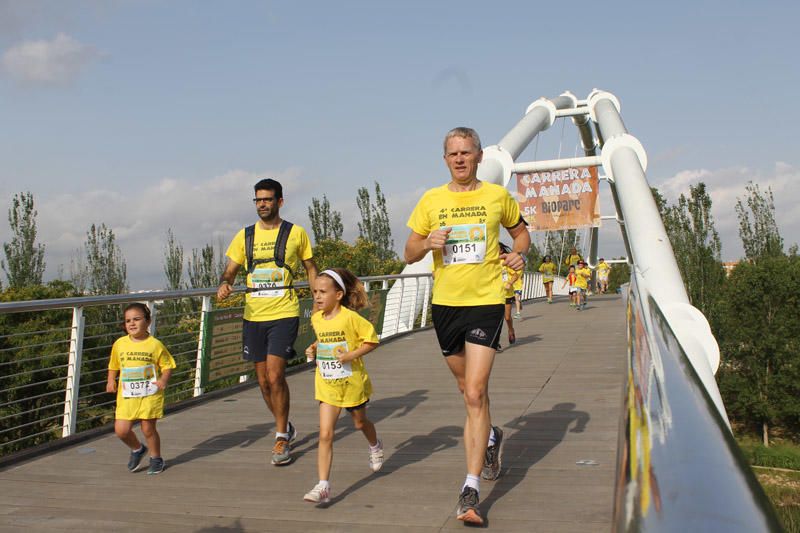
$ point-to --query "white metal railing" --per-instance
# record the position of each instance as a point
(53, 378)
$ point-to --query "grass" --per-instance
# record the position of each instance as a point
(782, 486)
(783, 489)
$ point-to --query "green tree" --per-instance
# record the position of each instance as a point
(361, 258)
(757, 227)
(326, 224)
(203, 269)
(759, 336)
(558, 244)
(696, 244)
(173, 262)
(106, 270)
(24, 263)
(34, 352)
(619, 275)
(374, 225)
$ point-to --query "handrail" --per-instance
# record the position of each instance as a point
(679, 467)
(85, 301)
(82, 402)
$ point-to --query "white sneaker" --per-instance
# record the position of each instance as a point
(319, 494)
(376, 458)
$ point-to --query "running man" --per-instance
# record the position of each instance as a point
(271, 312)
(603, 270)
(573, 258)
(582, 276)
(460, 222)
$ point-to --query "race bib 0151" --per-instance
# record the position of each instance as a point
(466, 243)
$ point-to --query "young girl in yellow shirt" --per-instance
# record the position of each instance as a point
(341, 381)
(144, 366)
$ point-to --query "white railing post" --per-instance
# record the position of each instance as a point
(413, 317)
(198, 365)
(70, 422)
(152, 306)
(424, 318)
(400, 306)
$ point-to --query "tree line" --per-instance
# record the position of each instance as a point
(752, 310)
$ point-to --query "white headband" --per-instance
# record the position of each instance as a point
(336, 277)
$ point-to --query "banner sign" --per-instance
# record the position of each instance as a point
(560, 199)
(222, 337)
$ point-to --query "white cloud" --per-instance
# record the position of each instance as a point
(725, 185)
(203, 212)
(48, 62)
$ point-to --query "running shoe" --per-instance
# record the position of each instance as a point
(517, 315)
(376, 458)
(156, 466)
(492, 462)
(319, 494)
(281, 453)
(467, 510)
(292, 431)
(136, 458)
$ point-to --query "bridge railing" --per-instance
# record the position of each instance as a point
(54, 354)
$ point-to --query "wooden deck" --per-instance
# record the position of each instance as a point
(556, 393)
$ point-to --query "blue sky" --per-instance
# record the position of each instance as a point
(152, 114)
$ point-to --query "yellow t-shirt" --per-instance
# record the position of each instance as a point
(518, 282)
(271, 304)
(548, 270)
(468, 272)
(507, 274)
(572, 260)
(582, 276)
(349, 384)
(602, 270)
(139, 363)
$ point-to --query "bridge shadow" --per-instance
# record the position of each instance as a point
(534, 436)
(412, 450)
(225, 441)
(391, 407)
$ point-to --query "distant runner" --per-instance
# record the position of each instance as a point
(548, 269)
(603, 270)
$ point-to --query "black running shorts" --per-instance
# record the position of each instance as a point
(480, 324)
(271, 337)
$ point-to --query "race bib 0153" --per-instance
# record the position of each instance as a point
(329, 366)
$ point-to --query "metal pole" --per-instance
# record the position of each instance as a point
(400, 308)
(152, 306)
(498, 160)
(557, 164)
(70, 422)
(425, 300)
(198, 364)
